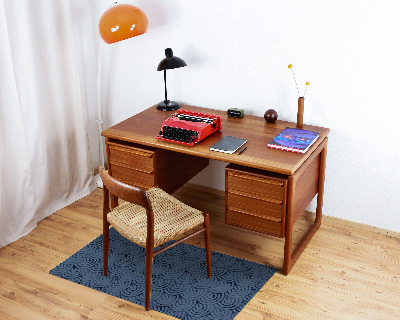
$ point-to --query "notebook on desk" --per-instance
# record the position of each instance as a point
(228, 144)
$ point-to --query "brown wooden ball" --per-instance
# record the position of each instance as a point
(270, 115)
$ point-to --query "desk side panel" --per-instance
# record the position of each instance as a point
(306, 182)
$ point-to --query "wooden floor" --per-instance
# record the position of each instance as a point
(344, 273)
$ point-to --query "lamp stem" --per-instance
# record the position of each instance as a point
(165, 83)
(99, 119)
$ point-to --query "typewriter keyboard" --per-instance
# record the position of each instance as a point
(178, 134)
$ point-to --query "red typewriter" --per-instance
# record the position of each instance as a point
(189, 127)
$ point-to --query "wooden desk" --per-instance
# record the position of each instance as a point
(137, 157)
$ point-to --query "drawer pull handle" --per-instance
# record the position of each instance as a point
(140, 153)
(254, 197)
(256, 215)
(275, 183)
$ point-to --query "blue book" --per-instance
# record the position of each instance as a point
(294, 140)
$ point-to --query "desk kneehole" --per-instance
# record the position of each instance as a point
(255, 200)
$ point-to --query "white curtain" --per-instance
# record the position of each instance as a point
(45, 161)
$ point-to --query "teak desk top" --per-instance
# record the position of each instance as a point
(144, 126)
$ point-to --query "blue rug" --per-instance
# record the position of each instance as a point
(180, 286)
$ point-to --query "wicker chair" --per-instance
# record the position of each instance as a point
(149, 219)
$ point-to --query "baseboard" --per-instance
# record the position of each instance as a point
(344, 222)
(362, 226)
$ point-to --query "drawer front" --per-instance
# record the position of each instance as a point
(268, 208)
(260, 186)
(130, 157)
(255, 200)
(133, 177)
(246, 220)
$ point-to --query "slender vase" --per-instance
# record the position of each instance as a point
(300, 112)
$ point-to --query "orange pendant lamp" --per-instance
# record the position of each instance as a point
(122, 21)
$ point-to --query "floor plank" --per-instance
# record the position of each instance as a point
(347, 271)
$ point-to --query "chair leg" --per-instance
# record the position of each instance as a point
(207, 242)
(148, 276)
(106, 246)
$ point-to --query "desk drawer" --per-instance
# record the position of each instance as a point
(131, 157)
(255, 199)
(260, 185)
(252, 221)
(133, 177)
(268, 208)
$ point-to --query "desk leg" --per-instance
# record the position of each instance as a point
(289, 259)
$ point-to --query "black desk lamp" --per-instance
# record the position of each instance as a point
(169, 62)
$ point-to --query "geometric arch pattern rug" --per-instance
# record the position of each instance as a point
(180, 286)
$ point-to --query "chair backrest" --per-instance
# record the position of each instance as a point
(125, 192)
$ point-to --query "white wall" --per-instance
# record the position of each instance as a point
(237, 54)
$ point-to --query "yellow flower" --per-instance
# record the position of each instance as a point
(307, 83)
(289, 66)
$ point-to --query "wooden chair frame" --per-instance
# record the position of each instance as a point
(116, 189)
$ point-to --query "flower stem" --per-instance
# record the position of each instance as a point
(295, 82)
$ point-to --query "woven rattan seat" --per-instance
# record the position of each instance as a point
(171, 218)
(149, 219)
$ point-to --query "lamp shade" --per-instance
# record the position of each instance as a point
(170, 61)
(122, 21)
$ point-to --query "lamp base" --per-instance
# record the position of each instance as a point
(168, 105)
